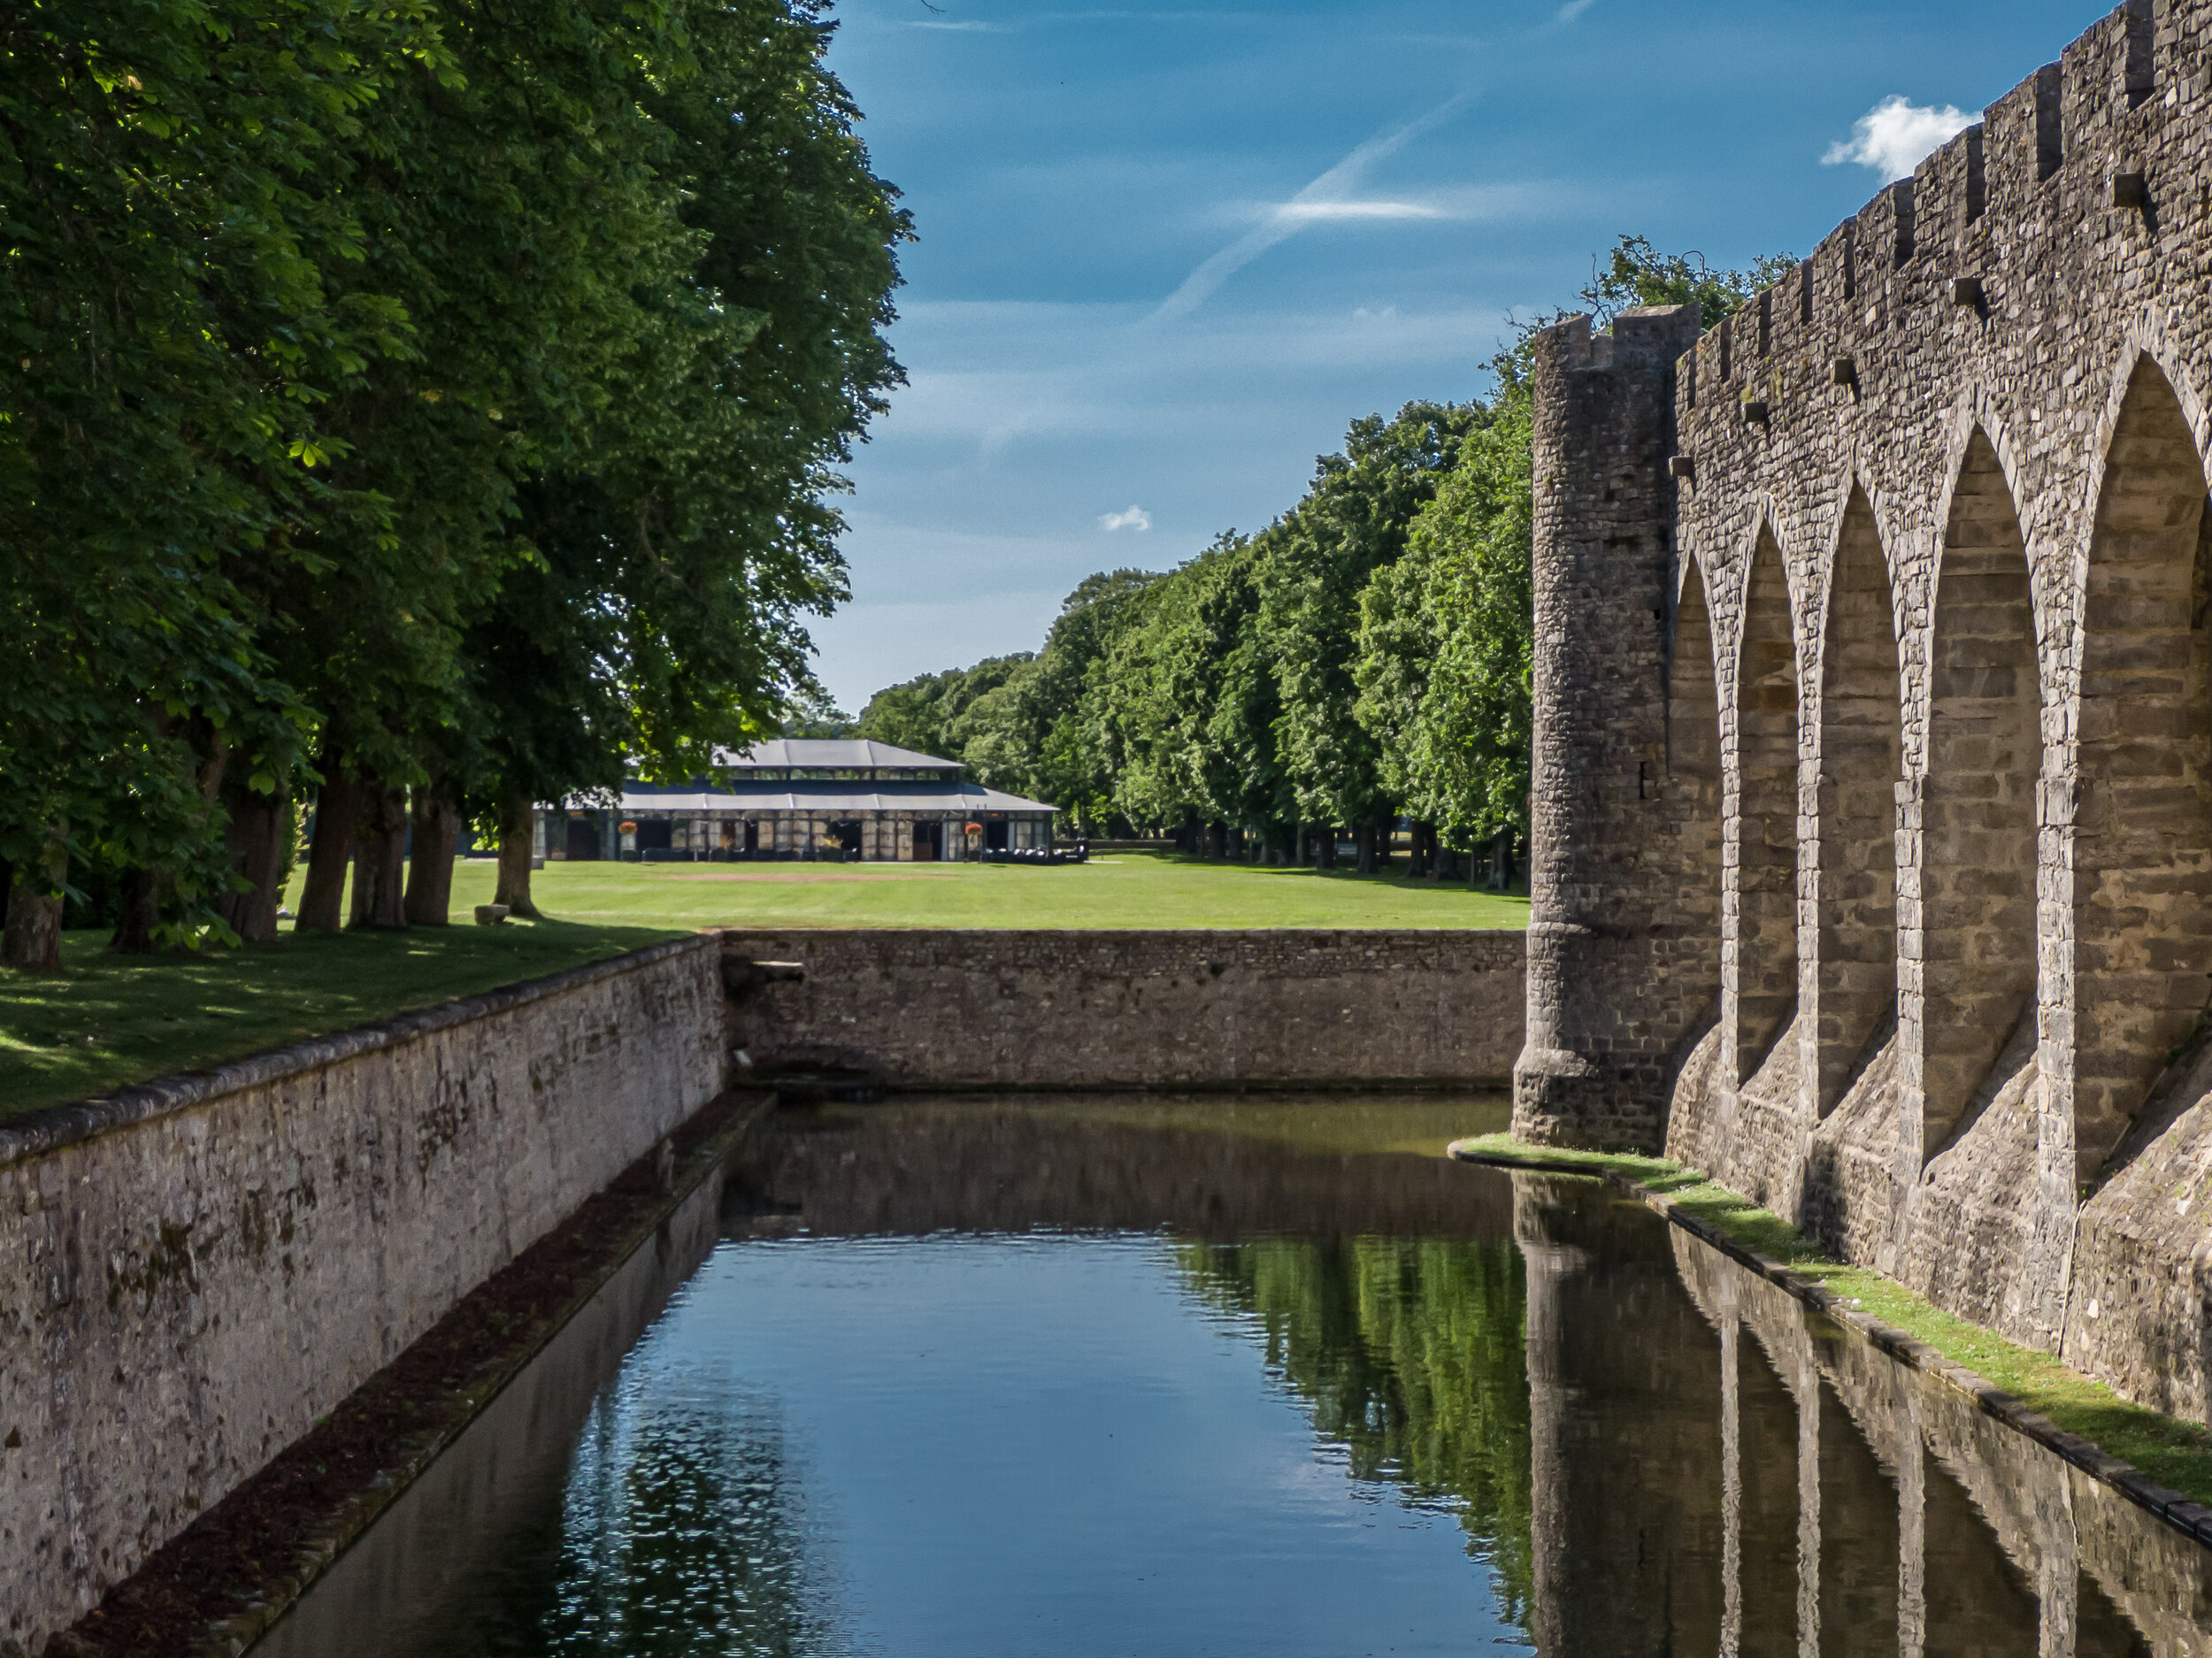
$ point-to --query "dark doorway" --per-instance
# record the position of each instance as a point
(849, 839)
(655, 834)
(995, 836)
(583, 838)
(752, 836)
(929, 842)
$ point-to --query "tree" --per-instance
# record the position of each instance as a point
(673, 526)
(1352, 522)
(1037, 733)
(1637, 274)
(173, 335)
(686, 537)
(1446, 642)
(515, 207)
(924, 713)
(814, 713)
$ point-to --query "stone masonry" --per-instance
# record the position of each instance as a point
(193, 1271)
(1873, 785)
(1068, 1007)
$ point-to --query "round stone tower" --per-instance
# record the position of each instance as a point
(1624, 954)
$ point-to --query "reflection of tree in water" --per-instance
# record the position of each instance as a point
(685, 1532)
(1411, 1356)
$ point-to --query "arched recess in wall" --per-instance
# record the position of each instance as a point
(1985, 752)
(1693, 785)
(2143, 810)
(1766, 804)
(1861, 728)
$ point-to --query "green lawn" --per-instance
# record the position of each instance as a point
(110, 1020)
(1122, 889)
(107, 1021)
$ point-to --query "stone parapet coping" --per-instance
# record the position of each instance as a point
(42, 1132)
(2191, 1518)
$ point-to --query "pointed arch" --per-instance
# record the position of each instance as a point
(1766, 808)
(1861, 734)
(2142, 830)
(1692, 790)
(1978, 882)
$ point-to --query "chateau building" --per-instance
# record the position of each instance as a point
(806, 799)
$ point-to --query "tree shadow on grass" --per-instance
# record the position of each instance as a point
(105, 1021)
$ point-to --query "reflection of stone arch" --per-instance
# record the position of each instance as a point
(1766, 814)
(1860, 746)
(1984, 753)
(2142, 820)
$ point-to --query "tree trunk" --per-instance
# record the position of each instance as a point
(379, 861)
(33, 940)
(437, 822)
(518, 835)
(137, 912)
(1446, 863)
(255, 841)
(337, 809)
(1366, 837)
(1218, 840)
(1501, 861)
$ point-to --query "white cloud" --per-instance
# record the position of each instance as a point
(1574, 8)
(1135, 518)
(1896, 136)
(965, 28)
(1302, 210)
(1312, 213)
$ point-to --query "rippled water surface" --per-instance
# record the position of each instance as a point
(1139, 1377)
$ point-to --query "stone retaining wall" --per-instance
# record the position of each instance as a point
(1061, 1008)
(191, 1272)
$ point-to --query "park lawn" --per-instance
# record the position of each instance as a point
(1121, 889)
(108, 1021)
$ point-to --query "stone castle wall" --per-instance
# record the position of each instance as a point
(1935, 559)
(1067, 1009)
(192, 1272)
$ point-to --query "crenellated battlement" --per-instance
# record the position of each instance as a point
(1894, 837)
(2126, 96)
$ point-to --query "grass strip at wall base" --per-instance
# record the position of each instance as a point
(2160, 1462)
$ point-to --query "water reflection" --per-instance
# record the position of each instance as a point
(1108, 1377)
(1409, 1355)
(684, 1530)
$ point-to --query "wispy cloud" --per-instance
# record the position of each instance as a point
(1574, 8)
(1315, 213)
(1896, 135)
(1330, 191)
(965, 28)
(1135, 518)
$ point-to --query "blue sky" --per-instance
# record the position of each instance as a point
(1168, 254)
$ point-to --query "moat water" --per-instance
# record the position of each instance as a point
(1271, 1377)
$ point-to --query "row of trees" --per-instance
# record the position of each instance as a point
(428, 406)
(1364, 657)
